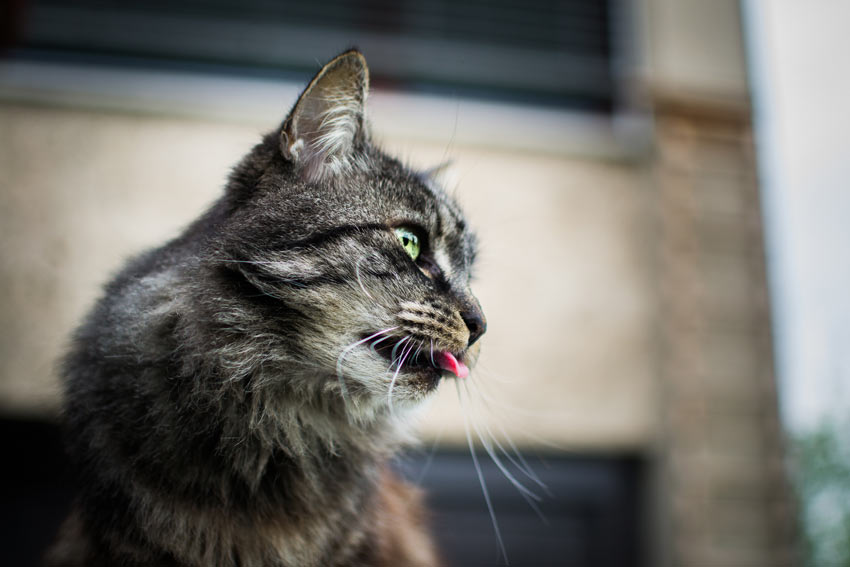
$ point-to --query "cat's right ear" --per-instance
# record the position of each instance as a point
(326, 123)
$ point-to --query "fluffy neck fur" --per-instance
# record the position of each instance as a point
(246, 459)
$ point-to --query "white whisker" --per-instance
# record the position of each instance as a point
(417, 353)
(404, 354)
(359, 280)
(481, 476)
(375, 343)
(341, 358)
(501, 466)
(488, 401)
(530, 497)
(485, 394)
(393, 359)
(519, 462)
(494, 375)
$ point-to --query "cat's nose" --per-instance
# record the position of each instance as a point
(475, 322)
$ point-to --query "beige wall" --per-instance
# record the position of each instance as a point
(563, 278)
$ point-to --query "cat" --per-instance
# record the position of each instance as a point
(234, 397)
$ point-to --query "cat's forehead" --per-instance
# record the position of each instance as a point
(380, 192)
(422, 200)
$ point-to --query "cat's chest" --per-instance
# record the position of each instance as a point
(336, 537)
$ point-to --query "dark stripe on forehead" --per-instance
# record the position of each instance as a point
(445, 211)
(456, 214)
(451, 227)
(273, 280)
(454, 227)
(320, 266)
(460, 224)
(326, 236)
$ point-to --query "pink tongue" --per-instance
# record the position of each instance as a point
(447, 361)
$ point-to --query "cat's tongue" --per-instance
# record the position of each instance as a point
(447, 361)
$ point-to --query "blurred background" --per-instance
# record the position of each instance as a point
(660, 189)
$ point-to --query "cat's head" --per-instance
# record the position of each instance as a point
(352, 267)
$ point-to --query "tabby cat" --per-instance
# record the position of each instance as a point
(234, 397)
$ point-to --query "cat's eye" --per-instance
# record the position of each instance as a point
(409, 241)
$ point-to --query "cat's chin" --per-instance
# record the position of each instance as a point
(424, 380)
(414, 385)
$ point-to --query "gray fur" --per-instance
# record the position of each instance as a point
(221, 404)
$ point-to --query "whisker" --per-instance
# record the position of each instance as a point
(519, 462)
(404, 354)
(395, 348)
(493, 401)
(417, 353)
(501, 466)
(376, 343)
(481, 476)
(346, 350)
(359, 280)
(494, 375)
(530, 497)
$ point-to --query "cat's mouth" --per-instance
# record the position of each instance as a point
(411, 355)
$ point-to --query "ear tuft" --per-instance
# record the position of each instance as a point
(320, 133)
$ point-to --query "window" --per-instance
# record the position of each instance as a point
(551, 52)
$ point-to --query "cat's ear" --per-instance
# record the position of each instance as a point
(326, 123)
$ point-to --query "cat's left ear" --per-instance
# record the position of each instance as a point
(326, 123)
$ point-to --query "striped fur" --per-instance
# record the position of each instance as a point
(232, 399)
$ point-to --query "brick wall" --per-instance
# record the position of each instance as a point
(725, 499)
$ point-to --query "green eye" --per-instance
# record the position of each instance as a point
(409, 241)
